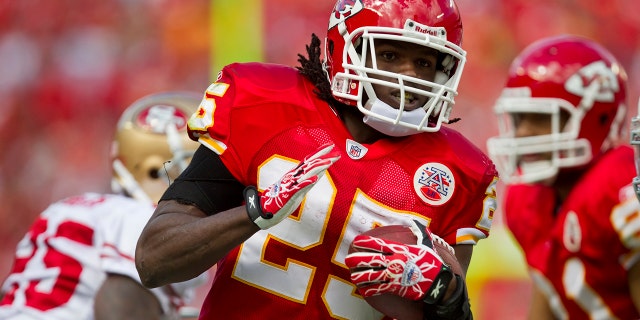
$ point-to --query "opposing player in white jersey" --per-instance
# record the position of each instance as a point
(77, 259)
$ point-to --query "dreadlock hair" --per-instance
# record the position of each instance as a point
(313, 69)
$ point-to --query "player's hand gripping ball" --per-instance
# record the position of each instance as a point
(399, 268)
(282, 198)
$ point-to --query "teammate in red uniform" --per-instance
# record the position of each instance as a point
(295, 163)
(635, 143)
(76, 260)
(570, 203)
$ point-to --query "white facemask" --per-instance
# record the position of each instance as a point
(387, 115)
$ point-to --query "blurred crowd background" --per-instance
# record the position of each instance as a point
(69, 67)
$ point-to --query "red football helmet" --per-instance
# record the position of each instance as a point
(566, 74)
(354, 26)
(635, 143)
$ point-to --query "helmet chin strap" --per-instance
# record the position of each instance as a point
(383, 120)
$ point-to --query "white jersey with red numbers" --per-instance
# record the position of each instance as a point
(262, 119)
(65, 256)
(580, 254)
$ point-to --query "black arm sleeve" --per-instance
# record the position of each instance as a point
(207, 184)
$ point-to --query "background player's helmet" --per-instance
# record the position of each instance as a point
(635, 143)
(566, 74)
(353, 27)
(151, 146)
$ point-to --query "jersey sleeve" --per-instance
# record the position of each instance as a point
(619, 229)
(625, 220)
(467, 216)
(211, 123)
(610, 205)
(118, 235)
(248, 105)
(484, 210)
(119, 232)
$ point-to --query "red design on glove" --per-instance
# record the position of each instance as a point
(282, 198)
(414, 272)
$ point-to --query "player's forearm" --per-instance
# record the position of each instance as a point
(539, 308)
(121, 298)
(178, 245)
(634, 284)
(463, 255)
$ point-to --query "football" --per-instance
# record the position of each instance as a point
(395, 306)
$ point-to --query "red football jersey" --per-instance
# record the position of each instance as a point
(262, 119)
(529, 211)
(581, 253)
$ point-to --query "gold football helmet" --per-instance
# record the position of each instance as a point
(151, 146)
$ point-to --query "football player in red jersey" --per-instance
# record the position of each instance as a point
(295, 163)
(76, 260)
(569, 199)
(635, 143)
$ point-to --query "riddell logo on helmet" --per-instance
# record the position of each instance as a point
(439, 32)
(427, 31)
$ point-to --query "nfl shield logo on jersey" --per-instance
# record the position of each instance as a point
(355, 150)
(434, 183)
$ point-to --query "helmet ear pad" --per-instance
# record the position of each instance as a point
(441, 77)
(445, 65)
(447, 62)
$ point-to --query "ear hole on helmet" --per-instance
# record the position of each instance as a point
(358, 45)
(154, 173)
(564, 119)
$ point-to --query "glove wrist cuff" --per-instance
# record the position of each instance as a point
(252, 204)
(439, 286)
(456, 307)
